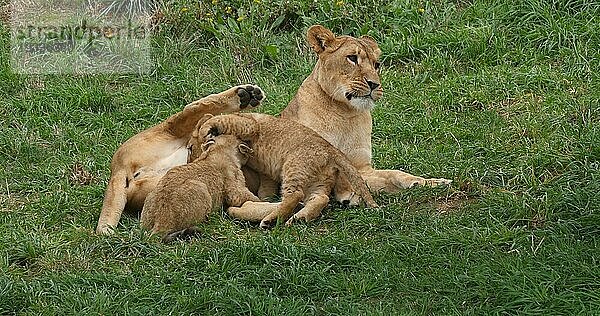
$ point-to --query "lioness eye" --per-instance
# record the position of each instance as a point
(353, 59)
(377, 65)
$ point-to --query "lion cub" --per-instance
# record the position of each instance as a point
(188, 193)
(306, 165)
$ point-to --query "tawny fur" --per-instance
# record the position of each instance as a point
(140, 162)
(187, 194)
(336, 102)
(306, 165)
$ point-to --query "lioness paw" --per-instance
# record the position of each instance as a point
(250, 96)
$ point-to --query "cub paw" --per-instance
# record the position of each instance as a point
(105, 230)
(249, 96)
(266, 224)
(301, 216)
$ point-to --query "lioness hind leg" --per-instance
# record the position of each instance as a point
(114, 203)
(311, 210)
(231, 100)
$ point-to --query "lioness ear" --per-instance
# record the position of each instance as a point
(371, 43)
(245, 149)
(320, 38)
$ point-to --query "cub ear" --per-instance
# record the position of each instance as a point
(245, 149)
(202, 120)
(207, 145)
(371, 43)
(320, 38)
(205, 149)
(190, 149)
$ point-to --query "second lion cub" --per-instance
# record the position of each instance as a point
(187, 194)
(306, 164)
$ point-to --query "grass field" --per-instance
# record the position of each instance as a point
(500, 96)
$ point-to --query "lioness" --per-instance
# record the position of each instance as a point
(188, 193)
(306, 165)
(140, 162)
(336, 99)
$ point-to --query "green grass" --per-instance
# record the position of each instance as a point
(500, 96)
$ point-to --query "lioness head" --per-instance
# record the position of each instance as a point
(347, 69)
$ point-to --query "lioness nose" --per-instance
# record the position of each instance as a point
(373, 85)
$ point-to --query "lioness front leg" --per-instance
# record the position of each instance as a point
(238, 196)
(392, 181)
(253, 211)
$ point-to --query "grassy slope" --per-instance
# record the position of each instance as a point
(502, 98)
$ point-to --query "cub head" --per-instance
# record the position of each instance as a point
(348, 67)
(222, 145)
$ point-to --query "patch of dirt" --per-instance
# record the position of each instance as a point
(453, 202)
(513, 106)
(80, 175)
(5, 12)
(10, 202)
(456, 200)
(538, 221)
(503, 107)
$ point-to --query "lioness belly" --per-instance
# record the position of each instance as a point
(145, 177)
